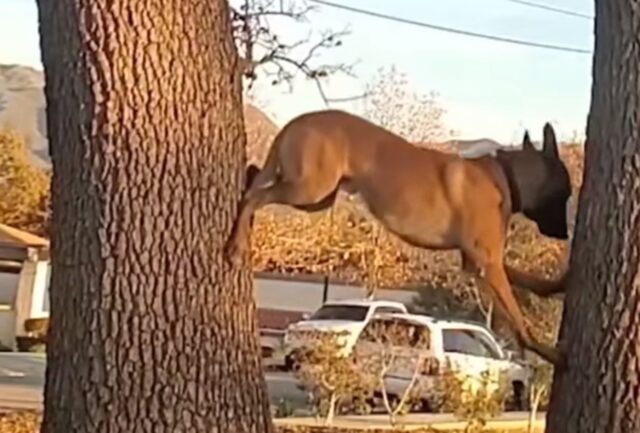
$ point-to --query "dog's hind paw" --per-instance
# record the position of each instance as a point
(233, 253)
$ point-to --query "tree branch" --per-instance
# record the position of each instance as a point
(262, 49)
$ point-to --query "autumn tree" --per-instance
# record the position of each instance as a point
(151, 329)
(393, 103)
(24, 187)
(598, 390)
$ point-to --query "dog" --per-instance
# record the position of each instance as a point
(429, 199)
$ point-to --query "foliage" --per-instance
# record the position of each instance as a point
(392, 104)
(388, 348)
(283, 409)
(342, 243)
(476, 401)
(331, 376)
(36, 326)
(24, 188)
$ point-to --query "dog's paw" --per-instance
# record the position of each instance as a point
(557, 357)
(233, 253)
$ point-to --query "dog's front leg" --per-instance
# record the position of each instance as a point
(496, 277)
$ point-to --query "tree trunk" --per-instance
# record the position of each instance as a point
(151, 330)
(599, 391)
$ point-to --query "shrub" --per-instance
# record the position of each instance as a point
(389, 348)
(37, 326)
(475, 401)
(331, 377)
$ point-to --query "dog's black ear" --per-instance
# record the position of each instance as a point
(550, 145)
(526, 142)
(250, 174)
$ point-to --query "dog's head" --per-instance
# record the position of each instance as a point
(543, 183)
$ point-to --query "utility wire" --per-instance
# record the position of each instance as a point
(550, 8)
(451, 29)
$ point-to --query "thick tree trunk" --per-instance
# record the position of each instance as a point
(151, 330)
(599, 392)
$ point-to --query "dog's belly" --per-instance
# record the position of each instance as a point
(431, 225)
(429, 233)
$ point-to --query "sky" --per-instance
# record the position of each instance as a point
(488, 89)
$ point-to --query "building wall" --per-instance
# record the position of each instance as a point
(270, 293)
(306, 296)
(8, 287)
(8, 290)
(40, 303)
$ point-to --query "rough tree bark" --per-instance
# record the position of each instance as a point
(599, 392)
(151, 330)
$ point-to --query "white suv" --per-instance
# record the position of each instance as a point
(350, 315)
(469, 349)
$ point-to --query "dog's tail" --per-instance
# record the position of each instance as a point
(260, 178)
(250, 174)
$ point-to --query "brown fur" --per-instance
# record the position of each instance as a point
(429, 199)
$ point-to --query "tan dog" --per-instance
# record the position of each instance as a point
(429, 199)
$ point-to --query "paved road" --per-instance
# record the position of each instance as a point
(22, 382)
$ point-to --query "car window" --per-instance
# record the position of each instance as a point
(388, 310)
(372, 330)
(341, 312)
(488, 344)
(397, 332)
(465, 342)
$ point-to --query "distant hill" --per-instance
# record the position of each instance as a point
(22, 108)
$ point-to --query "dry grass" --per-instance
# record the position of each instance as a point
(20, 422)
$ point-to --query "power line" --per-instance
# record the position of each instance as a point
(550, 8)
(451, 29)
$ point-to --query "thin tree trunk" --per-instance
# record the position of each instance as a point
(151, 330)
(331, 412)
(599, 391)
(489, 315)
(535, 404)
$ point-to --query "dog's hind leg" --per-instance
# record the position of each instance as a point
(323, 204)
(302, 192)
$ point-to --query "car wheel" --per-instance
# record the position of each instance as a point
(518, 397)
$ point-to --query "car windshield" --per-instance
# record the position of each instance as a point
(341, 312)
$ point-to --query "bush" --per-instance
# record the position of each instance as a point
(473, 402)
(31, 344)
(20, 422)
(382, 353)
(333, 379)
(37, 326)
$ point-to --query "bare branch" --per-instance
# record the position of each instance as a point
(264, 54)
